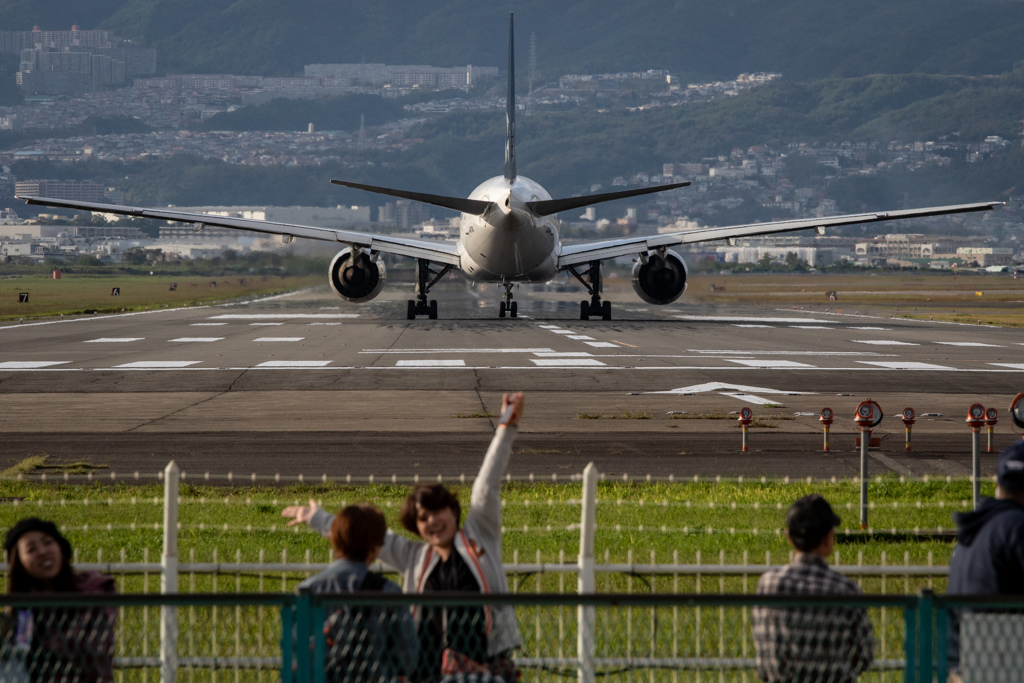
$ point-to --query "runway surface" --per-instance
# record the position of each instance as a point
(306, 383)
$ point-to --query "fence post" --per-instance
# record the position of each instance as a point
(303, 637)
(925, 607)
(169, 577)
(586, 584)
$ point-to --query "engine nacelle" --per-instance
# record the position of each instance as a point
(660, 280)
(359, 280)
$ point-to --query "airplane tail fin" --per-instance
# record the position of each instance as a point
(510, 109)
(550, 206)
(474, 207)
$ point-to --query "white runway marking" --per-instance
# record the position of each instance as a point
(113, 340)
(905, 365)
(158, 364)
(994, 346)
(766, 326)
(283, 316)
(735, 352)
(279, 339)
(751, 319)
(769, 363)
(580, 337)
(602, 345)
(871, 328)
(563, 354)
(750, 398)
(561, 331)
(549, 327)
(718, 386)
(567, 362)
(206, 324)
(197, 339)
(264, 324)
(295, 364)
(543, 349)
(883, 342)
(432, 363)
(811, 327)
(30, 364)
(325, 323)
(1012, 366)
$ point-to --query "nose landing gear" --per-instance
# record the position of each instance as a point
(591, 279)
(508, 306)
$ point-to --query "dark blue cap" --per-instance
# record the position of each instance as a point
(1010, 470)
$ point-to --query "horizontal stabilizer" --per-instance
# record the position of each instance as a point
(550, 206)
(474, 207)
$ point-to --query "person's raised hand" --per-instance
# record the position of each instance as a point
(516, 402)
(301, 514)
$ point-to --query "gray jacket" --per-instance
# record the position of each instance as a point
(478, 541)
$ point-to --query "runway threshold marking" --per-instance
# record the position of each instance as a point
(567, 362)
(769, 363)
(295, 364)
(113, 340)
(431, 363)
(30, 364)
(279, 339)
(905, 365)
(264, 324)
(601, 345)
(541, 349)
(563, 354)
(197, 339)
(580, 337)
(882, 329)
(159, 364)
(883, 342)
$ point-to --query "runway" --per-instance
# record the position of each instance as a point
(305, 382)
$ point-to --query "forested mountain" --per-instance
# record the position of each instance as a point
(693, 38)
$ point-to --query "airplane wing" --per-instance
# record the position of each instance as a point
(595, 251)
(438, 252)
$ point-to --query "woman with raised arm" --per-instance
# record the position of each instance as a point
(454, 557)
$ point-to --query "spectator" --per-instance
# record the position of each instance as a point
(454, 557)
(834, 644)
(989, 555)
(364, 644)
(71, 645)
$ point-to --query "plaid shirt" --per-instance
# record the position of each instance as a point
(833, 644)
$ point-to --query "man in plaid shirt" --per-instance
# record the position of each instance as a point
(803, 644)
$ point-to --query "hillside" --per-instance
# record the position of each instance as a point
(801, 38)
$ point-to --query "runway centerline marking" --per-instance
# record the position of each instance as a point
(567, 362)
(324, 324)
(158, 364)
(994, 346)
(766, 326)
(264, 324)
(295, 364)
(431, 363)
(206, 324)
(113, 340)
(580, 337)
(542, 349)
(737, 352)
(30, 364)
(564, 354)
(283, 316)
(197, 339)
(752, 319)
(883, 342)
(769, 363)
(562, 331)
(883, 329)
(279, 339)
(905, 365)
(811, 327)
(601, 345)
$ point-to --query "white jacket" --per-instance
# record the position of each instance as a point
(478, 541)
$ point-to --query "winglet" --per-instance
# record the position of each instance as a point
(510, 109)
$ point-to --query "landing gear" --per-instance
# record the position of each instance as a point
(591, 279)
(508, 306)
(425, 279)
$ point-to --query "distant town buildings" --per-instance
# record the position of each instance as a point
(436, 77)
(82, 191)
(66, 62)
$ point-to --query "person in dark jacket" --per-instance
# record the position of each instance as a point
(365, 644)
(71, 645)
(989, 556)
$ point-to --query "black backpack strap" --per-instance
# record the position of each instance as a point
(373, 581)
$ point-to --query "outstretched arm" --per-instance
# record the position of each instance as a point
(317, 519)
(485, 502)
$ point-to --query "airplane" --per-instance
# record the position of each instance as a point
(509, 233)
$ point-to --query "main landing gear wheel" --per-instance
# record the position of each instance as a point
(432, 312)
(584, 310)
(606, 310)
(501, 309)
(410, 312)
(425, 279)
(591, 279)
(513, 310)
(595, 308)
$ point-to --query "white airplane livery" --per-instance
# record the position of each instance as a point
(508, 233)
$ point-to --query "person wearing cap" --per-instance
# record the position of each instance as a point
(75, 645)
(834, 644)
(989, 554)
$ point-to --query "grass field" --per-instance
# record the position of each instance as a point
(88, 293)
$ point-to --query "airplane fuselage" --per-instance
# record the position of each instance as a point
(508, 242)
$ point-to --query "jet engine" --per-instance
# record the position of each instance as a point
(659, 279)
(357, 279)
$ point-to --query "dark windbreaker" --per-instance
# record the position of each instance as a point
(989, 557)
